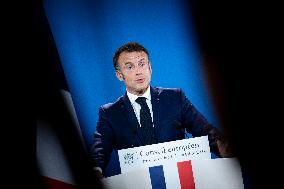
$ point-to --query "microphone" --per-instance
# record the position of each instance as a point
(134, 131)
(178, 126)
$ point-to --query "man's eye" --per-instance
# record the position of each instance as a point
(142, 64)
(128, 67)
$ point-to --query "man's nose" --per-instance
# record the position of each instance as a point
(138, 71)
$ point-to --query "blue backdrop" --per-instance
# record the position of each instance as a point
(87, 34)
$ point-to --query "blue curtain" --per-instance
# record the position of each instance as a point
(87, 34)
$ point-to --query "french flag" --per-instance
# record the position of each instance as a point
(221, 173)
(183, 174)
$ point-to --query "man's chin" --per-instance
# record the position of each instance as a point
(141, 91)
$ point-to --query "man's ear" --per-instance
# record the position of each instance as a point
(150, 67)
(119, 75)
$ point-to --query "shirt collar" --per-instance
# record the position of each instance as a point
(133, 97)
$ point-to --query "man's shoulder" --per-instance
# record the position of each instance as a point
(113, 105)
(168, 91)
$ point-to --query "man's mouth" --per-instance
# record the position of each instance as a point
(140, 80)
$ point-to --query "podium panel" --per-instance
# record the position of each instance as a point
(222, 173)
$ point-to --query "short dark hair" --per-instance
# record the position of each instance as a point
(128, 47)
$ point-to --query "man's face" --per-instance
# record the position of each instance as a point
(135, 70)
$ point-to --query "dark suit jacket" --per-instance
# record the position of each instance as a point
(118, 127)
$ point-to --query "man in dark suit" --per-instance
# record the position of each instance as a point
(161, 115)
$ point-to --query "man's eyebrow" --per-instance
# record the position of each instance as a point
(142, 59)
(127, 63)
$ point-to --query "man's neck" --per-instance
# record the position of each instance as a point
(139, 93)
(133, 97)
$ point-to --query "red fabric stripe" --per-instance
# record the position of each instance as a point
(185, 175)
(56, 184)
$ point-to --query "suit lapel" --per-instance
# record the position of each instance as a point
(131, 118)
(155, 100)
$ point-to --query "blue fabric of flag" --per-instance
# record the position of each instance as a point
(157, 177)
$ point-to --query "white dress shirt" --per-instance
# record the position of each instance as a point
(137, 107)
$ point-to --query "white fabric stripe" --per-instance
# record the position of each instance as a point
(50, 156)
(171, 176)
(138, 179)
(221, 173)
(70, 106)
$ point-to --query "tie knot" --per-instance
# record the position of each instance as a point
(141, 100)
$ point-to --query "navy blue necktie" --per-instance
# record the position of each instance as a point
(146, 128)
